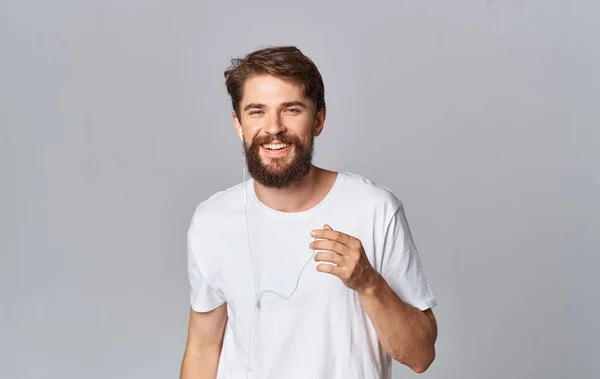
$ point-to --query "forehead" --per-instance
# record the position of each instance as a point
(267, 89)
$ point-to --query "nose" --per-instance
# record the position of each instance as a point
(275, 125)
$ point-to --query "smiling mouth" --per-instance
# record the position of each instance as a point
(277, 149)
(276, 146)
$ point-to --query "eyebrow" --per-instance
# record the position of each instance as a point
(286, 104)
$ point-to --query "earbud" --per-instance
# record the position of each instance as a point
(240, 134)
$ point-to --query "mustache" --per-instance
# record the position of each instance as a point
(282, 138)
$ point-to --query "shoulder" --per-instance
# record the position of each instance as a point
(218, 205)
(371, 193)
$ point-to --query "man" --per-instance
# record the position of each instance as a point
(259, 308)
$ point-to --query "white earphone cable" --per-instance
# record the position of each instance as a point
(257, 294)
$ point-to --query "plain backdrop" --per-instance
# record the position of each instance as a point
(482, 116)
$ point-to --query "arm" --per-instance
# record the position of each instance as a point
(407, 333)
(204, 343)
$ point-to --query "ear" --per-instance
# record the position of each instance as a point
(236, 122)
(320, 121)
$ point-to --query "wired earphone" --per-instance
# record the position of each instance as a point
(257, 294)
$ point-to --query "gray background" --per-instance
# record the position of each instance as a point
(482, 116)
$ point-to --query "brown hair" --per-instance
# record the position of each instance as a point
(286, 62)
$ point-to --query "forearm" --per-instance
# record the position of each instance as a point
(200, 363)
(407, 333)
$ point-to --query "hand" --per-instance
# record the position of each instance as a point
(353, 266)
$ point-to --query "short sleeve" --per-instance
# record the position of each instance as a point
(203, 297)
(401, 265)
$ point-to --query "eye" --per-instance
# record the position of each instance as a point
(293, 110)
(255, 112)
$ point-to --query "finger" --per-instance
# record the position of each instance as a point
(346, 239)
(330, 245)
(335, 235)
(325, 256)
(333, 270)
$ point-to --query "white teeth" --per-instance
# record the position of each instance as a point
(277, 146)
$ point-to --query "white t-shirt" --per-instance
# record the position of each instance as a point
(321, 331)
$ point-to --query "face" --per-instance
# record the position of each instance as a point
(280, 124)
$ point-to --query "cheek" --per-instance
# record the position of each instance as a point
(304, 129)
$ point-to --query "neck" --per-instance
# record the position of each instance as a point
(299, 197)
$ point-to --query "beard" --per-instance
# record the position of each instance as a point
(277, 173)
